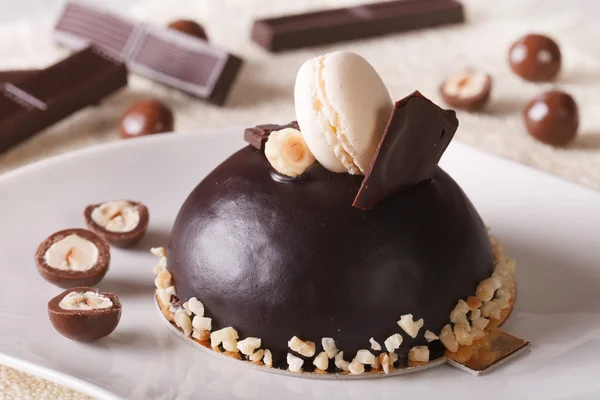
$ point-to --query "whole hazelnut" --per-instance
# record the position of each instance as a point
(146, 118)
(552, 118)
(190, 27)
(535, 58)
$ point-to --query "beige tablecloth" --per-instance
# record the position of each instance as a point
(263, 94)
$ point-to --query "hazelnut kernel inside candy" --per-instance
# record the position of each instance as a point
(467, 89)
(85, 301)
(288, 153)
(116, 216)
(72, 253)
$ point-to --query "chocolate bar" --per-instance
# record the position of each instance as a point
(258, 136)
(412, 144)
(34, 103)
(13, 76)
(164, 55)
(329, 26)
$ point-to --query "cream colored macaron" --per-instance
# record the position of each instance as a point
(342, 107)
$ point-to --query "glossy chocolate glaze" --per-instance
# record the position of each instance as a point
(275, 259)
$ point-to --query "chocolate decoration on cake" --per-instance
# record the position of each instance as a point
(414, 140)
(280, 260)
(258, 135)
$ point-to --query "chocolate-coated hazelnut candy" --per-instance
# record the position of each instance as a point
(121, 222)
(467, 90)
(535, 58)
(190, 27)
(84, 314)
(552, 118)
(146, 118)
(73, 257)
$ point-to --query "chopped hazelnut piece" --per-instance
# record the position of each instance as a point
(196, 306)
(158, 251)
(248, 345)
(183, 321)
(340, 362)
(201, 335)
(459, 314)
(294, 363)
(374, 345)
(393, 342)
(410, 326)
(329, 347)
(393, 358)
(202, 323)
(480, 322)
(419, 354)
(448, 338)
(268, 358)
(475, 314)
(384, 361)
(307, 349)
(161, 266)
(288, 153)
(365, 357)
(321, 361)
(230, 345)
(473, 302)
(356, 368)
(485, 290)
(463, 337)
(163, 279)
(430, 336)
(477, 332)
(257, 355)
(222, 335)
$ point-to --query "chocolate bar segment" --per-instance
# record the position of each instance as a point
(13, 76)
(258, 136)
(414, 140)
(330, 26)
(32, 104)
(164, 55)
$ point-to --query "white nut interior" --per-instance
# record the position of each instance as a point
(72, 253)
(465, 84)
(288, 153)
(83, 301)
(116, 216)
(410, 326)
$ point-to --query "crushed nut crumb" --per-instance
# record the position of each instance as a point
(374, 345)
(430, 336)
(294, 363)
(329, 347)
(340, 362)
(419, 354)
(268, 358)
(356, 368)
(448, 338)
(305, 348)
(393, 342)
(485, 290)
(365, 357)
(248, 345)
(321, 361)
(410, 326)
(463, 337)
(222, 335)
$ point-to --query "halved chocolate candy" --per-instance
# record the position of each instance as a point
(121, 222)
(73, 257)
(84, 314)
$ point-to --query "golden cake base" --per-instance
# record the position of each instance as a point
(493, 350)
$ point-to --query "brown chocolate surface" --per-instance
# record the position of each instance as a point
(84, 325)
(552, 118)
(190, 27)
(274, 260)
(361, 21)
(259, 135)
(67, 278)
(472, 102)
(412, 144)
(535, 58)
(119, 239)
(146, 117)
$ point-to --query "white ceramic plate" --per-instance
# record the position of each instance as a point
(551, 227)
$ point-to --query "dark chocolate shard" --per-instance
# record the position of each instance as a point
(13, 76)
(412, 144)
(257, 136)
(368, 20)
(32, 104)
(164, 55)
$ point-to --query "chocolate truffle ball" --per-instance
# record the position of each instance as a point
(190, 27)
(281, 259)
(146, 118)
(552, 118)
(535, 58)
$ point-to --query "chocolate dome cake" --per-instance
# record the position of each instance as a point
(279, 260)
